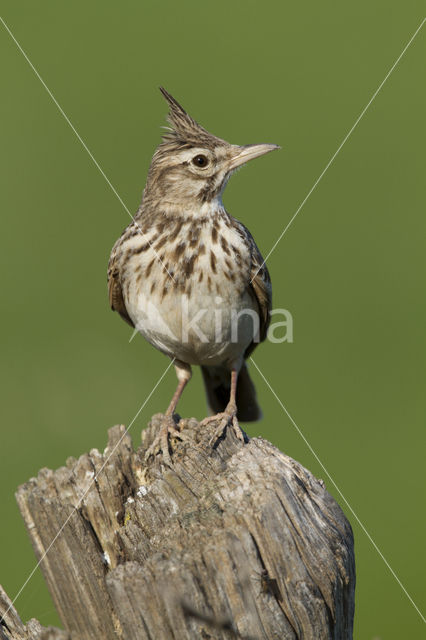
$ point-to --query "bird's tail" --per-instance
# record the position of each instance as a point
(217, 381)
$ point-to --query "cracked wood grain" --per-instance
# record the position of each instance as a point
(235, 541)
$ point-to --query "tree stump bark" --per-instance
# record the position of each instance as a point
(234, 541)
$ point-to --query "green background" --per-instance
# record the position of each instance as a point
(351, 268)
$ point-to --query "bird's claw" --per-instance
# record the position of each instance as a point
(160, 443)
(227, 418)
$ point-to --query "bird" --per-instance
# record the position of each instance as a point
(189, 276)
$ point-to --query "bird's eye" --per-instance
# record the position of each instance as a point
(200, 161)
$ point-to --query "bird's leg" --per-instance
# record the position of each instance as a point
(168, 428)
(177, 394)
(229, 416)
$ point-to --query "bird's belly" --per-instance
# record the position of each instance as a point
(193, 302)
(201, 328)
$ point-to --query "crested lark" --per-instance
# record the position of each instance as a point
(189, 277)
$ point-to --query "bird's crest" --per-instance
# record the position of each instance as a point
(183, 129)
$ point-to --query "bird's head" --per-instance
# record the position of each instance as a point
(191, 165)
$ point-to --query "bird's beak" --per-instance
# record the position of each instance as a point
(243, 154)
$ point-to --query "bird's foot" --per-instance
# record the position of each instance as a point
(228, 418)
(161, 440)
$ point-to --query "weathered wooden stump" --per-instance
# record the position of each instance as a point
(237, 541)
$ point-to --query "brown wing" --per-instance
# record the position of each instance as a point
(260, 286)
(262, 289)
(116, 299)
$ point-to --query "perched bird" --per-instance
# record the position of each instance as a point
(189, 277)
